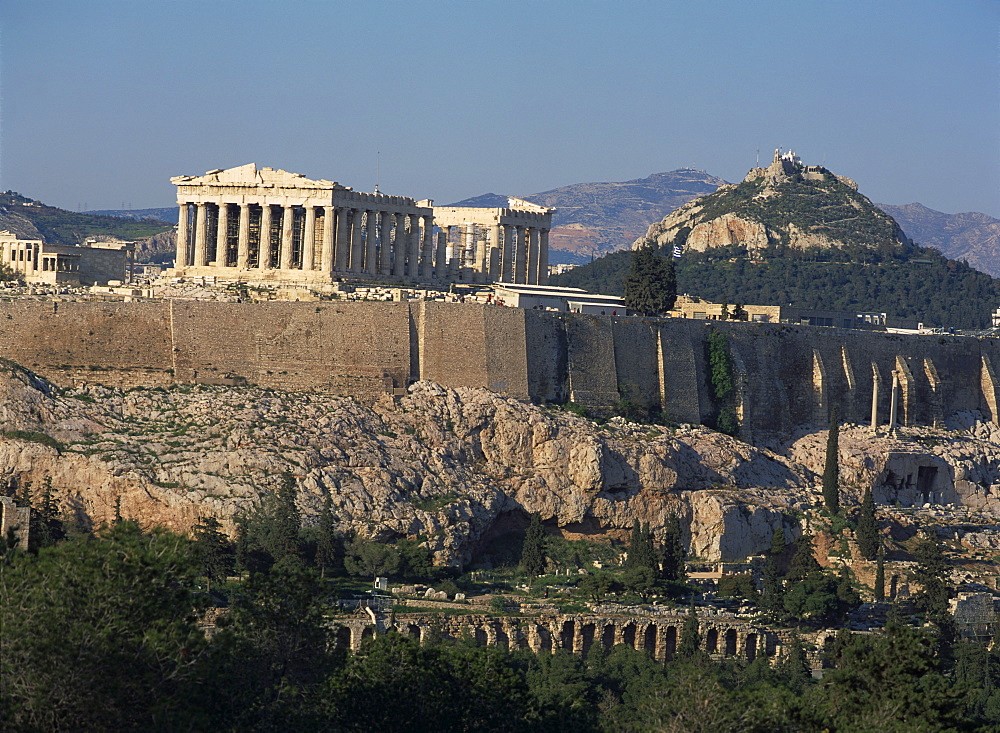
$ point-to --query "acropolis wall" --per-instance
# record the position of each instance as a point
(784, 375)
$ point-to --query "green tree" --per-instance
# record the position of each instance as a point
(533, 548)
(329, 545)
(641, 552)
(931, 574)
(772, 597)
(690, 644)
(650, 286)
(803, 561)
(813, 599)
(673, 551)
(214, 549)
(101, 634)
(367, 558)
(867, 533)
(270, 530)
(415, 560)
(831, 469)
(778, 542)
(880, 575)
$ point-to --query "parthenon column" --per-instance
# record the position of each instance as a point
(309, 239)
(506, 253)
(533, 243)
(441, 256)
(200, 233)
(264, 251)
(221, 235)
(343, 242)
(357, 245)
(287, 231)
(326, 254)
(413, 245)
(427, 247)
(493, 259)
(482, 260)
(371, 242)
(399, 246)
(243, 238)
(543, 256)
(181, 258)
(520, 255)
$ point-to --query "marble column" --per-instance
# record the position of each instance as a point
(243, 238)
(326, 254)
(309, 239)
(200, 233)
(520, 255)
(287, 232)
(343, 241)
(371, 243)
(183, 235)
(533, 246)
(400, 246)
(222, 236)
(266, 223)
(493, 259)
(508, 238)
(543, 256)
(413, 245)
(427, 246)
(357, 244)
(441, 256)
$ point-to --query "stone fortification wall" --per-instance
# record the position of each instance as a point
(785, 375)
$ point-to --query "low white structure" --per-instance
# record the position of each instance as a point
(551, 297)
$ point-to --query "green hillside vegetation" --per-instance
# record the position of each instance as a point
(58, 226)
(918, 283)
(826, 207)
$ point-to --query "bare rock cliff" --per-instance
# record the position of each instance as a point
(450, 466)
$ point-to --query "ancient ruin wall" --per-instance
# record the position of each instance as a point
(785, 375)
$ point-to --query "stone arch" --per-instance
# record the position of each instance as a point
(342, 639)
(649, 639)
(670, 643)
(587, 633)
(367, 634)
(712, 641)
(628, 634)
(608, 636)
(544, 639)
(480, 636)
(412, 631)
(520, 640)
(730, 642)
(502, 640)
(750, 646)
(770, 644)
(566, 636)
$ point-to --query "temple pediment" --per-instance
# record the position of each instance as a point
(251, 175)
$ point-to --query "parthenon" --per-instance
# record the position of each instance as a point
(270, 225)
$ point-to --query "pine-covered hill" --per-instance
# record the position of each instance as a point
(32, 219)
(918, 283)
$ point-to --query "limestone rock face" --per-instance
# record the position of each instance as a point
(786, 203)
(451, 466)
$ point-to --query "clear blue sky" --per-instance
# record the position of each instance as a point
(102, 101)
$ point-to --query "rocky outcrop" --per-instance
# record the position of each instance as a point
(786, 203)
(450, 466)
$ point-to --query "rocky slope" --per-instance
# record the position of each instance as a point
(457, 466)
(788, 204)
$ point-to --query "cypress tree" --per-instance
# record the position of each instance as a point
(778, 542)
(533, 549)
(831, 471)
(867, 532)
(650, 286)
(673, 551)
(880, 576)
(803, 563)
(326, 543)
(690, 638)
(773, 595)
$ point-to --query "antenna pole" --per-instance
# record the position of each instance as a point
(378, 168)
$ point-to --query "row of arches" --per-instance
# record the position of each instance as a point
(579, 635)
